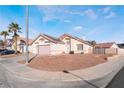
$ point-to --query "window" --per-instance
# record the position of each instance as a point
(46, 41)
(41, 39)
(79, 46)
(67, 41)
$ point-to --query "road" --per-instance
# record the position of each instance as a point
(118, 80)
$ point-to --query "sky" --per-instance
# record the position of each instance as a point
(99, 23)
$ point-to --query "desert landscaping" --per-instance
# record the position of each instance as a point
(66, 62)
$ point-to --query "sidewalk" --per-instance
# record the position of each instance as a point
(99, 75)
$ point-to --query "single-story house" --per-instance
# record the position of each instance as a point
(106, 48)
(45, 44)
(21, 44)
(106, 45)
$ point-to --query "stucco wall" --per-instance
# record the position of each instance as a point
(57, 48)
(114, 46)
(121, 51)
(86, 48)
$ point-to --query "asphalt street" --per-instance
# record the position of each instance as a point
(118, 80)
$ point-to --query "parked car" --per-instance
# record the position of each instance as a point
(7, 52)
(1, 50)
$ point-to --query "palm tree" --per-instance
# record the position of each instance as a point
(5, 34)
(14, 28)
(2, 44)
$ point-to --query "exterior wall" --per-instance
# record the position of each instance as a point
(111, 51)
(105, 51)
(121, 51)
(114, 46)
(57, 48)
(86, 48)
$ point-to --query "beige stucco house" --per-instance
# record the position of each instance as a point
(106, 48)
(45, 44)
(21, 44)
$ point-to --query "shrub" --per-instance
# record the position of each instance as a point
(71, 52)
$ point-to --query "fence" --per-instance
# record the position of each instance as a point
(105, 51)
(121, 51)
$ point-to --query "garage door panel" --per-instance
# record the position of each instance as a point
(44, 49)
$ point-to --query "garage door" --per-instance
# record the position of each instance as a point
(44, 49)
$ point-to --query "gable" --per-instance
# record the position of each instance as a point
(114, 46)
(66, 36)
(40, 39)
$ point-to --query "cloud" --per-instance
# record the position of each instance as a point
(78, 28)
(67, 21)
(105, 10)
(81, 13)
(53, 12)
(91, 14)
(48, 11)
(110, 15)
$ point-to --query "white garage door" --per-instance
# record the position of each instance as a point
(44, 49)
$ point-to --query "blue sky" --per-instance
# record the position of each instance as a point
(100, 23)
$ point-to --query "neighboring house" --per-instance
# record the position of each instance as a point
(106, 48)
(106, 45)
(21, 44)
(76, 44)
(45, 44)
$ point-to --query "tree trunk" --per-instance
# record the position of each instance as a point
(15, 44)
(5, 41)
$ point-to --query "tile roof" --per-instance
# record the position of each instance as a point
(76, 38)
(104, 45)
(53, 39)
(50, 38)
(24, 39)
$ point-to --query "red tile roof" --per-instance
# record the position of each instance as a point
(76, 38)
(50, 38)
(105, 45)
(24, 39)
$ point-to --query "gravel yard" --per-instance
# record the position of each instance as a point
(66, 62)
